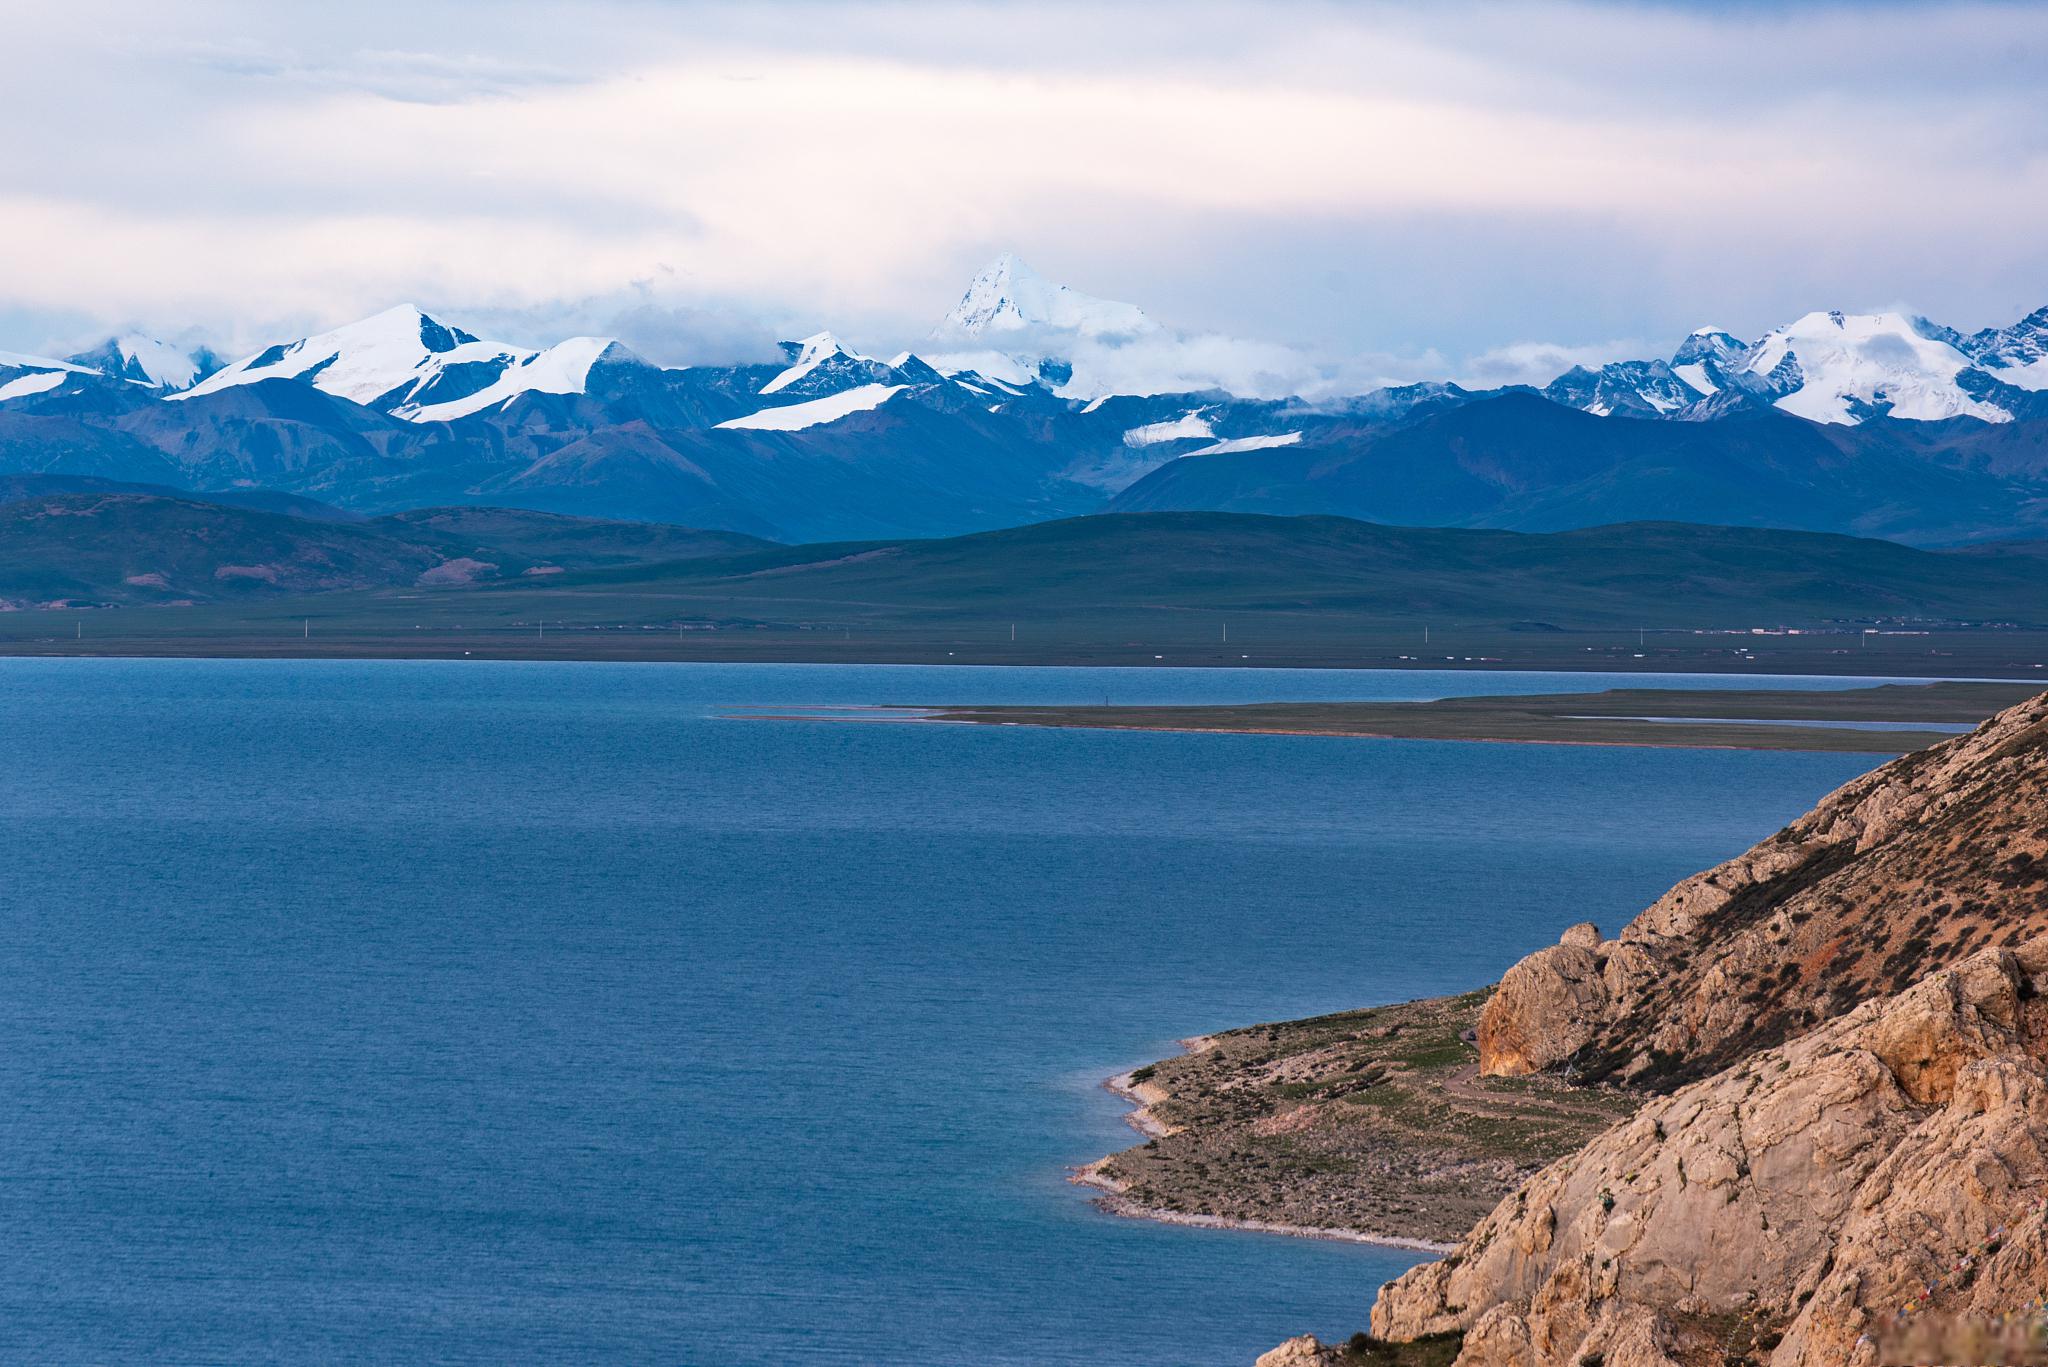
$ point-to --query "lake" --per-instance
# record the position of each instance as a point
(506, 1013)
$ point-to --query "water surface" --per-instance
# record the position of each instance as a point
(500, 1013)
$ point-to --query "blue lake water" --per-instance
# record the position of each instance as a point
(503, 1013)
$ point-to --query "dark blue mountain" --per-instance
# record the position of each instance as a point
(1879, 424)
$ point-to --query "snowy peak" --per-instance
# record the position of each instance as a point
(1643, 389)
(23, 376)
(1831, 366)
(414, 366)
(389, 357)
(1710, 361)
(1709, 345)
(130, 359)
(1836, 367)
(155, 363)
(826, 380)
(821, 364)
(1008, 296)
(2017, 355)
(15, 360)
(146, 361)
(806, 356)
(563, 368)
(1016, 328)
(813, 349)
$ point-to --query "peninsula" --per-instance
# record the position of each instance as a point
(1792, 1115)
(1885, 719)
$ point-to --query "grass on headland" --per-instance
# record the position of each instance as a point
(1373, 1121)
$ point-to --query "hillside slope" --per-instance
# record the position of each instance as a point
(144, 548)
(1915, 865)
(1872, 1192)
(1522, 462)
(1130, 575)
(80, 540)
(1853, 1169)
(1668, 573)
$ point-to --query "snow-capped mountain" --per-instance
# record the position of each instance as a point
(1019, 334)
(130, 359)
(1643, 389)
(1844, 367)
(1018, 328)
(415, 367)
(1054, 404)
(563, 368)
(1014, 326)
(149, 362)
(1711, 360)
(820, 364)
(1008, 296)
(22, 376)
(1829, 367)
(2017, 355)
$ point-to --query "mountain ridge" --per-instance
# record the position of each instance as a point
(85, 541)
(1884, 425)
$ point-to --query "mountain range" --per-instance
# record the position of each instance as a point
(1033, 402)
(85, 542)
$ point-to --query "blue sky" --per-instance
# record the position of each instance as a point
(1391, 191)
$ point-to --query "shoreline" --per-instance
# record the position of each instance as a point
(1110, 1197)
(1361, 1126)
(1684, 738)
(1110, 1200)
(1336, 735)
(486, 644)
(1865, 719)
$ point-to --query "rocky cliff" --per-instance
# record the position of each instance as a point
(1914, 866)
(1882, 1175)
(1848, 1161)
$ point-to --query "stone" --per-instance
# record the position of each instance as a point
(1915, 865)
(1802, 1198)
(1304, 1351)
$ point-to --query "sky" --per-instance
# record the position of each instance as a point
(1351, 193)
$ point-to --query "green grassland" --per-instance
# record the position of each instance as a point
(1164, 588)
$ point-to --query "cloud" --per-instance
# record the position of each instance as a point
(1538, 363)
(1466, 174)
(393, 74)
(700, 332)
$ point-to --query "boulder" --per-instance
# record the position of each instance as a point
(1795, 1206)
(1916, 865)
(1305, 1351)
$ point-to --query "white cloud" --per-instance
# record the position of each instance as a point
(1539, 363)
(1544, 169)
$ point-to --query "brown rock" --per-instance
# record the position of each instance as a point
(1915, 865)
(1792, 1204)
(1299, 1352)
(1547, 1007)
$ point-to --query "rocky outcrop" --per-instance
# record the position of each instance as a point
(1305, 1351)
(1918, 864)
(1814, 1205)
